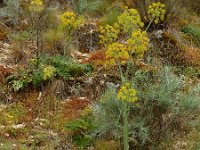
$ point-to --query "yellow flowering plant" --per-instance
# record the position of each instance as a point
(36, 5)
(156, 12)
(108, 34)
(127, 93)
(48, 72)
(130, 20)
(138, 43)
(87, 111)
(120, 54)
(70, 21)
(116, 53)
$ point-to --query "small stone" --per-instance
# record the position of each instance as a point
(19, 126)
(90, 80)
(5, 45)
(7, 135)
(158, 34)
(2, 127)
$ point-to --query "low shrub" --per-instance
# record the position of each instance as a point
(44, 70)
(81, 129)
(164, 99)
(187, 71)
(108, 121)
(193, 31)
(190, 57)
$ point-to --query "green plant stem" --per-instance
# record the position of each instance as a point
(125, 117)
(149, 24)
(120, 71)
(127, 70)
(7, 28)
(133, 71)
(124, 79)
(125, 104)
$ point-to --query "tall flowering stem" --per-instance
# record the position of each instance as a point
(127, 95)
(156, 13)
(36, 8)
(130, 20)
(69, 23)
(125, 54)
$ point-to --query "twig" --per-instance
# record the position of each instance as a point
(5, 26)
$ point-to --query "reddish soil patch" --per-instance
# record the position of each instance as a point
(73, 107)
(4, 72)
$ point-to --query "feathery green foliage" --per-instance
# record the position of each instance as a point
(193, 31)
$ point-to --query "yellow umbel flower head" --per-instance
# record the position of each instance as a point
(108, 34)
(48, 72)
(127, 93)
(130, 20)
(36, 5)
(138, 43)
(87, 111)
(116, 53)
(69, 21)
(156, 12)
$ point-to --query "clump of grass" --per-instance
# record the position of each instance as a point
(193, 31)
(14, 114)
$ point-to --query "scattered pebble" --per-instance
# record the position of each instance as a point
(19, 126)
